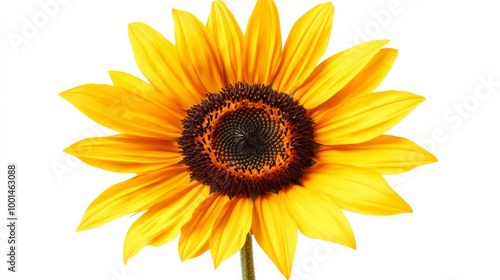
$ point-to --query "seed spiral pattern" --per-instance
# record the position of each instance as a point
(247, 140)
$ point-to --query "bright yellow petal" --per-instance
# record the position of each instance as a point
(229, 40)
(121, 110)
(317, 216)
(365, 82)
(384, 154)
(370, 77)
(263, 43)
(364, 118)
(158, 60)
(305, 45)
(196, 232)
(162, 222)
(134, 195)
(230, 229)
(126, 153)
(335, 72)
(275, 231)
(149, 92)
(355, 189)
(197, 53)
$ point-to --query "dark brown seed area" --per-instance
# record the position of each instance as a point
(247, 140)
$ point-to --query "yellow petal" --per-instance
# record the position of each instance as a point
(317, 216)
(335, 72)
(149, 92)
(158, 60)
(197, 53)
(365, 82)
(196, 232)
(134, 195)
(305, 45)
(162, 222)
(229, 40)
(230, 229)
(121, 110)
(365, 117)
(126, 153)
(355, 189)
(384, 154)
(370, 76)
(275, 231)
(263, 43)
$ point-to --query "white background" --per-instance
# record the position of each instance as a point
(445, 50)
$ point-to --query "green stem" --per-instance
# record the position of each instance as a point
(246, 256)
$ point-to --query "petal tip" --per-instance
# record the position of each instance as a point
(69, 150)
(393, 51)
(327, 6)
(183, 256)
(377, 42)
(215, 261)
(176, 12)
(351, 242)
(404, 208)
(428, 157)
(127, 252)
(219, 4)
(408, 209)
(82, 226)
(65, 94)
(412, 96)
(132, 26)
(125, 258)
(432, 158)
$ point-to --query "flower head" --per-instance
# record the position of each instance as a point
(234, 133)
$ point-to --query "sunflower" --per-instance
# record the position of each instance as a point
(234, 133)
